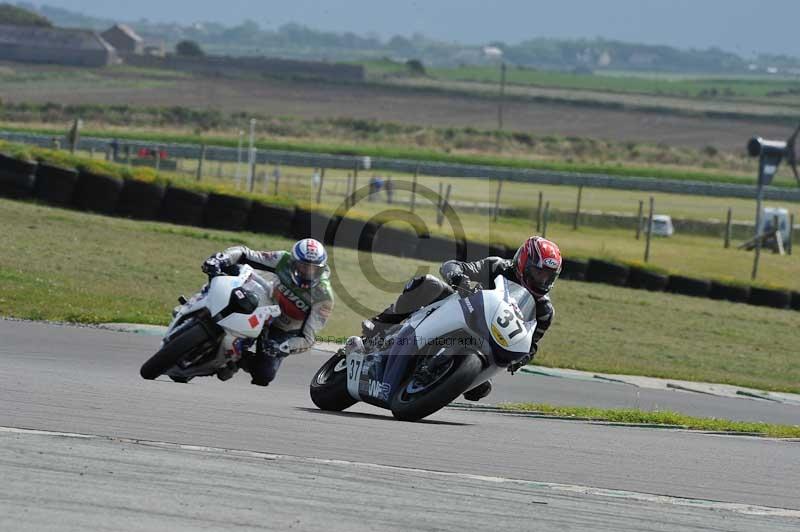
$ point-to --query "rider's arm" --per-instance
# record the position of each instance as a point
(544, 317)
(314, 323)
(482, 272)
(260, 260)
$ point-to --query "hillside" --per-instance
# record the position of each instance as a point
(17, 16)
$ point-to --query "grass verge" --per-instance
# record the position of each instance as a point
(666, 418)
(70, 266)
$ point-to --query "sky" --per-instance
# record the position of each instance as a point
(745, 27)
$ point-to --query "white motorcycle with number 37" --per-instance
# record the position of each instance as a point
(437, 354)
(212, 329)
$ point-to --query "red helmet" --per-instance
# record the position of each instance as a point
(537, 264)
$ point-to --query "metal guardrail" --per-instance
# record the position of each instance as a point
(429, 168)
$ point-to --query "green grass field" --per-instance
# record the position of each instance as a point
(64, 265)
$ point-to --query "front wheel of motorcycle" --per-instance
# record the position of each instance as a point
(329, 385)
(190, 338)
(416, 400)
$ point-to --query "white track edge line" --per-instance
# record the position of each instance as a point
(739, 508)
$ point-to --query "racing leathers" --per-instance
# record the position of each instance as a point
(424, 290)
(304, 311)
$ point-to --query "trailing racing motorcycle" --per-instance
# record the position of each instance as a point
(211, 331)
(437, 354)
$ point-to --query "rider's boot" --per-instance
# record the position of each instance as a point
(226, 372)
(479, 392)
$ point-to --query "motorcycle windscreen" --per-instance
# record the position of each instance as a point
(386, 370)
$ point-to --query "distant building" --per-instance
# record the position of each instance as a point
(124, 39)
(30, 44)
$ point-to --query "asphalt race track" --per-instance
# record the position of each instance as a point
(85, 444)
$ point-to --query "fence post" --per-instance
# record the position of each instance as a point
(728, 228)
(639, 220)
(439, 199)
(497, 200)
(157, 152)
(277, 175)
(253, 166)
(74, 135)
(649, 231)
(539, 213)
(791, 234)
(578, 208)
(347, 191)
(414, 189)
(355, 176)
(545, 216)
(200, 162)
(128, 155)
(321, 182)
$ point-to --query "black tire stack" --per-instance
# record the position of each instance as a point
(17, 177)
(574, 269)
(55, 185)
(729, 292)
(602, 271)
(766, 297)
(644, 279)
(687, 286)
(183, 207)
(97, 193)
(271, 219)
(396, 242)
(226, 212)
(140, 200)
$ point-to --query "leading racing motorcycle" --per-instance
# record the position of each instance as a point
(437, 354)
(212, 330)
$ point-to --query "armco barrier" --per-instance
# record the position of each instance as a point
(321, 160)
(55, 185)
(16, 177)
(140, 200)
(97, 193)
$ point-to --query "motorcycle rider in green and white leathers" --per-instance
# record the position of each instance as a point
(303, 292)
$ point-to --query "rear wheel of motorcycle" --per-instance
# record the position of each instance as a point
(329, 385)
(183, 343)
(415, 406)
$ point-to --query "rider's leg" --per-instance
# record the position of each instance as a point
(261, 365)
(419, 291)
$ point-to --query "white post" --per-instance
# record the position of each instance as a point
(251, 163)
(239, 160)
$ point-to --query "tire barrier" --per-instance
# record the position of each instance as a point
(97, 193)
(574, 269)
(795, 304)
(641, 278)
(687, 286)
(436, 249)
(270, 219)
(225, 212)
(765, 297)
(16, 177)
(55, 185)
(475, 251)
(183, 207)
(354, 234)
(601, 271)
(396, 242)
(140, 200)
(729, 292)
(310, 224)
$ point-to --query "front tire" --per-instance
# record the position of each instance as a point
(408, 406)
(329, 385)
(183, 343)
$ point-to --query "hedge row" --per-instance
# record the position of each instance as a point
(89, 191)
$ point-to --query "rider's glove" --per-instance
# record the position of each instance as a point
(215, 264)
(458, 281)
(521, 363)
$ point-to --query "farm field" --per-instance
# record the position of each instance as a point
(424, 106)
(66, 265)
